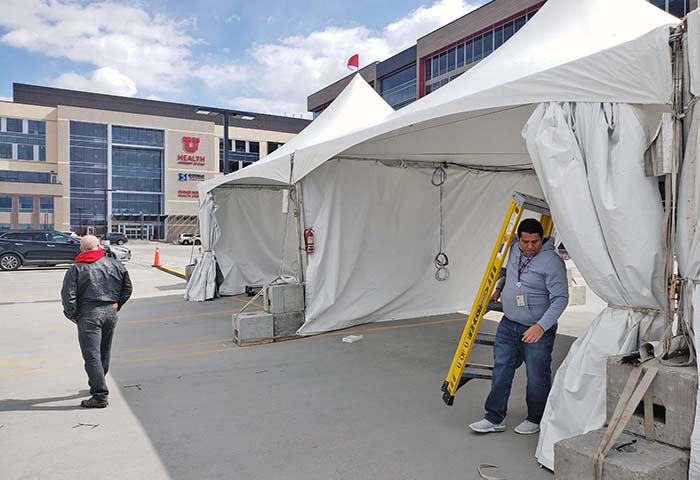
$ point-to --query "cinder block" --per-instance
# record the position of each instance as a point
(286, 324)
(570, 276)
(641, 460)
(577, 295)
(284, 298)
(252, 327)
(673, 393)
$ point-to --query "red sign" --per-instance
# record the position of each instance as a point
(191, 159)
(188, 193)
(191, 144)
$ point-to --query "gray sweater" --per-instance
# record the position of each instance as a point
(543, 282)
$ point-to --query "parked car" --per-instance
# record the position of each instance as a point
(36, 247)
(72, 235)
(46, 249)
(117, 238)
(189, 239)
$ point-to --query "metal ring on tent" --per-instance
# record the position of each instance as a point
(442, 274)
(439, 177)
(441, 260)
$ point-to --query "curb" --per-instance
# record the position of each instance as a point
(172, 271)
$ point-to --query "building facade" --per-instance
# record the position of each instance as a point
(92, 163)
(442, 55)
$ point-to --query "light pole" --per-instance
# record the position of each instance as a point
(225, 113)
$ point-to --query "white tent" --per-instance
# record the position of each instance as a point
(366, 193)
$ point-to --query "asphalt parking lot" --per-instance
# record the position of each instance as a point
(186, 403)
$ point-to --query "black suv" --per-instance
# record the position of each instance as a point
(36, 247)
(116, 237)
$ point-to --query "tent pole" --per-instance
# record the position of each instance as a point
(298, 212)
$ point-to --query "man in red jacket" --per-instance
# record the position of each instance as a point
(94, 290)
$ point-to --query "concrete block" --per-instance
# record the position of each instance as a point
(286, 324)
(577, 295)
(673, 393)
(284, 298)
(570, 276)
(641, 460)
(251, 328)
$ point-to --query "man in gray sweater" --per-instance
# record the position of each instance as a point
(534, 292)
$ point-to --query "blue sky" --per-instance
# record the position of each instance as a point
(260, 56)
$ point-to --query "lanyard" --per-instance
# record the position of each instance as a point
(521, 267)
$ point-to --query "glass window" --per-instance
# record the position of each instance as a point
(57, 238)
(133, 169)
(659, 3)
(436, 66)
(146, 137)
(5, 150)
(451, 59)
(519, 22)
(42, 154)
(5, 226)
(497, 37)
(14, 125)
(507, 31)
(35, 236)
(677, 8)
(531, 14)
(25, 152)
(460, 56)
(272, 146)
(46, 204)
(24, 177)
(428, 69)
(488, 43)
(36, 127)
(428, 89)
(468, 52)
(478, 49)
(443, 63)
(240, 145)
(26, 226)
(5, 203)
(12, 236)
(26, 204)
(47, 226)
(254, 147)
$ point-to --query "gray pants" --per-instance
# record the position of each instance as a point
(95, 331)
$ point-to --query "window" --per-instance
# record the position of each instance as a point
(26, 226)
(240, 146)
(137, 170)
(24, 177)
(677, 8)
(460, 56)
(478, 48)
(399, 88)
(468, 52)
(46, 204)
(14, 125)
(272, 146)
(47, 226)
(498, 37)
(5, 203)
(42, 154)
(5, 150)
(25, 152)
(443, 63)
(13, 236)
(507, 31)
(488, 44)
(57, 238)
(88, 175)
(519, 22)
(451, 59)
(254, 147)
(26, 204)
(34, 236)
(145, 137)
(5, 226)
(36, 127)
(436, 67)
(428, 69)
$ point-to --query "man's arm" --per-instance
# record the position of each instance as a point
(558, 286)
(500, 283)
(126, 289)
(69, 295)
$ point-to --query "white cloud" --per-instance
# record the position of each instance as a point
(103, 80)
(5, 99)
(232, 18)
(217, 76)
(152, 49)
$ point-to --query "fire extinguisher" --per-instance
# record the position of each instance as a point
(309, 240)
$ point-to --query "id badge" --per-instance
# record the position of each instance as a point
(520, 299)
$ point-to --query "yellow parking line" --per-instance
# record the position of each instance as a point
(176, 317)
(232, 348)
(236, 299)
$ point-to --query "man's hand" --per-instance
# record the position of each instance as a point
(496, 295)
(533, 334)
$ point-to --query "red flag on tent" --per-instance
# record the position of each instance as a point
(354, 61)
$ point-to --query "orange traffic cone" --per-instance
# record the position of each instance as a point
(156, 257)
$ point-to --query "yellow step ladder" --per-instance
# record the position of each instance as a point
(456, 376)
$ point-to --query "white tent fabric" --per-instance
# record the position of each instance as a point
(689, 255)
(377, 234)
(202, 283)
(589, 158)
(252, 249)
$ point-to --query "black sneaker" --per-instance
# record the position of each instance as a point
(92, 402)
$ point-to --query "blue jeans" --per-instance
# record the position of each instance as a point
(95, 331)
(509, 352)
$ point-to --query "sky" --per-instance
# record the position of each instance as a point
(247, 55)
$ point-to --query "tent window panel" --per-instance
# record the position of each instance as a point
(468, 52)
(478, 49)
(460, 56)
(428, 69)
(519, 22)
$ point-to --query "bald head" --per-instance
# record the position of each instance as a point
(89, 242)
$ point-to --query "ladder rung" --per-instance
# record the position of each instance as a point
(479, 366)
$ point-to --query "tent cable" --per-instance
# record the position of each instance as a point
(441, 261)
